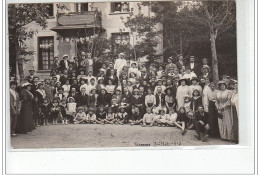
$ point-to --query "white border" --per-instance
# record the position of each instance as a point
(196, 160)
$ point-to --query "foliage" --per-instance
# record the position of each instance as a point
(19, 16)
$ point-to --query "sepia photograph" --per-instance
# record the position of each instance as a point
(122, 74)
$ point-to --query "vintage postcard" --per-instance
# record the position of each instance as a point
(122, 74)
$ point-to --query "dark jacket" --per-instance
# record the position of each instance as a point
(158, 99)
(203, 118)
(82, 100)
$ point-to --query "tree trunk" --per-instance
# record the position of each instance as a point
(214, 57)
(181, 51)
(19, 62)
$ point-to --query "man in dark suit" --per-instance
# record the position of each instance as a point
(201, 124)
(137, 83)
(82, 98)
(14, 107)
(193, 65)
(30, 77)
(64, 64)
(180, 62)
(160, 98)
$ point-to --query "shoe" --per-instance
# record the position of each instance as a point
(13, 135)
(197, 137)
(205, 138)
(184, 132)
(28, 132)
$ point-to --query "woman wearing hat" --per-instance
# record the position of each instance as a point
(40, 92)
(14, 107)
(225, 121)
(25, 122)
(170, 65)
(182, 91)
(194, 85)
(120, 63)
(234, 110)
(205, 71)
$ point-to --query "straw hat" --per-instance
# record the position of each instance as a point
(205, 67)
(26, 84)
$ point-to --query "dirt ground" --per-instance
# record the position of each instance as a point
(86, 135)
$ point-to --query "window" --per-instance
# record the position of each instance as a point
(119, 39)
(50, 10)
(46, 52)
(119, 7)
(81, 7)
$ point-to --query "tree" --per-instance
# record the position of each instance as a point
(143, 30)
(19, 16)
(218, 17)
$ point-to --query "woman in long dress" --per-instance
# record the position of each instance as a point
(225, 121)
(209, 103)
(234, 111)
(25, 122)
(182, 91)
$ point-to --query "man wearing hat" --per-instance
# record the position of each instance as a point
(194, 67)
(31, 76)
(14, 107)
(64, 64)
(170, 65)
(120, 63)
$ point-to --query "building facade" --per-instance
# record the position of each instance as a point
(69, 23)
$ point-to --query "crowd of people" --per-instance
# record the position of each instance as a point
(92, 91)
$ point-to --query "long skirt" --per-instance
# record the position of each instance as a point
(25, 120)
(213, 120)
(226, 125)
(235, 123)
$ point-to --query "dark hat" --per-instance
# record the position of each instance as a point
(60, 88)
(168, 88)
(31, 70)
(13, 82)
(225, 76)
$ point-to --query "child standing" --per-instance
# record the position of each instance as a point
(63, 107)
(182, 119)
(45, 111)
(187, 103)
(36, 111)
(148, 117)
(55, 111)
(71, 107)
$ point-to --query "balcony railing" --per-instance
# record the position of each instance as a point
(79, 18)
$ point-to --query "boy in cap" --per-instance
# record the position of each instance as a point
(30, 77)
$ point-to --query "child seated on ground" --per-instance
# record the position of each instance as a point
(136, 117)
(182, 119)
(110, 116)
(45, 111)
(81, 116)
(191, 118)
(101, 114)
(121, 116)
(174, 119)
(162, 121)
(91, 116)
(148, 118)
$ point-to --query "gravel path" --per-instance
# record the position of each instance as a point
(86, 135)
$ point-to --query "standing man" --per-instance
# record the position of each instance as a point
(31, 76)
(120, 63)
(64, 64)
(14, 107)
(180, 63)
(193, 65)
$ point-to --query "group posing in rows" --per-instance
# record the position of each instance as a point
(93, 91)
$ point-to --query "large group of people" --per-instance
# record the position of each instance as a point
(89, 90)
